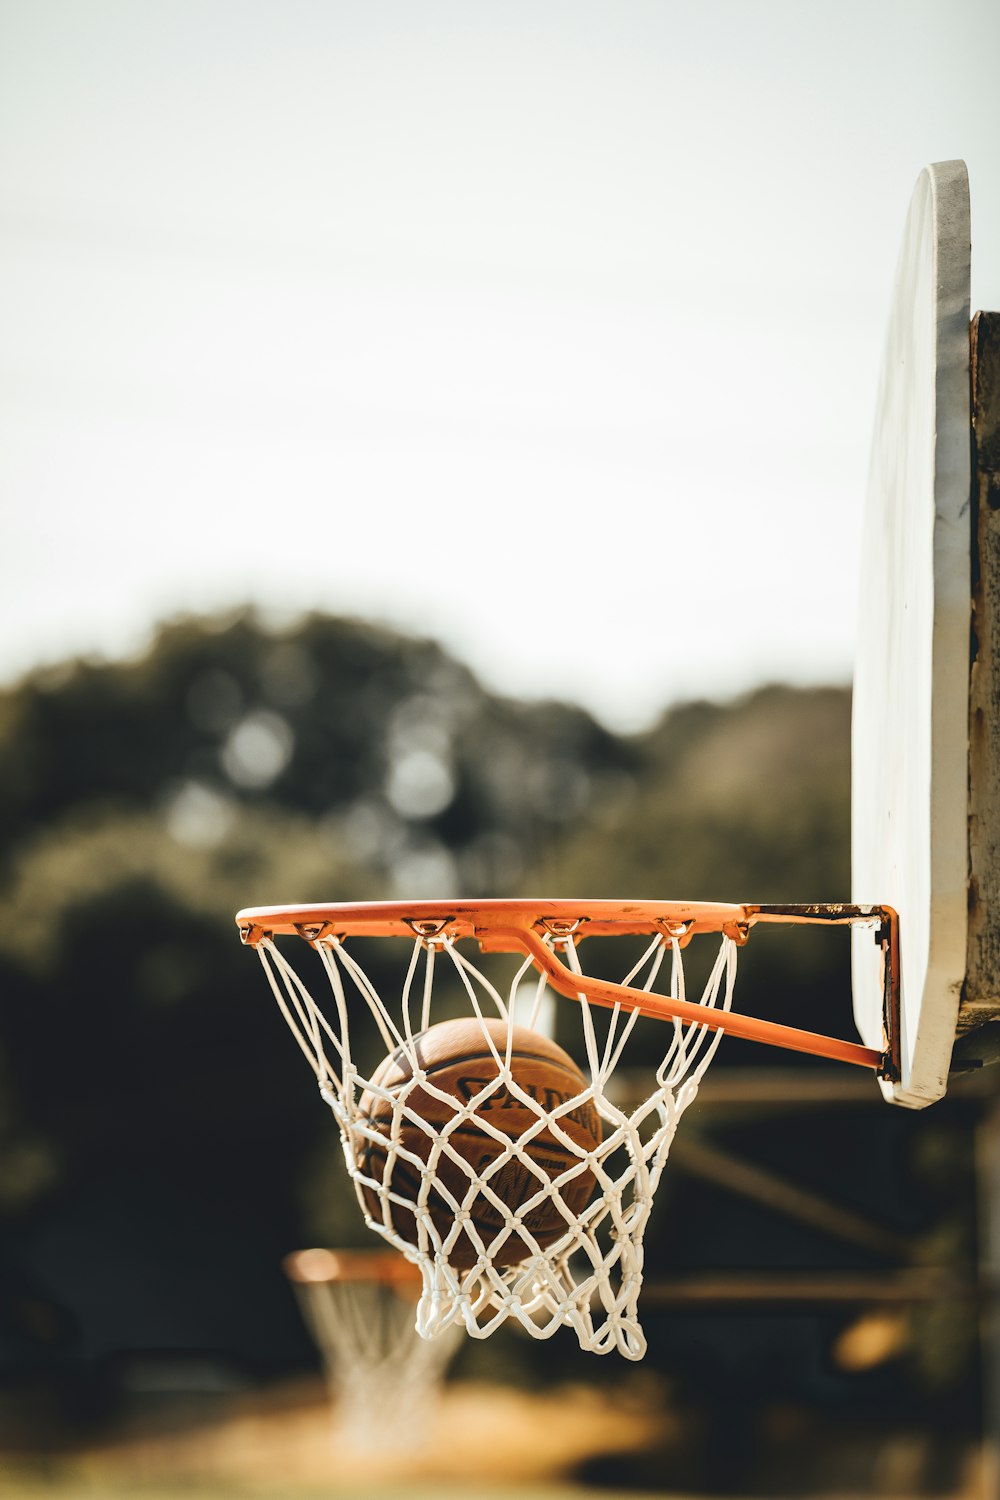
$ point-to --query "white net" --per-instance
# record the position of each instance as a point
(565, 1248)
(375, 1362)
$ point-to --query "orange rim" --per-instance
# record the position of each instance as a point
(320, 1267)
(535, 928)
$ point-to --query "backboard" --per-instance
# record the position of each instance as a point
(910, 763)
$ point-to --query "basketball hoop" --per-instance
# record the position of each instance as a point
(358, 1306)
(414, 1182)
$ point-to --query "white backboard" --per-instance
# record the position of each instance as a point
(911, 685)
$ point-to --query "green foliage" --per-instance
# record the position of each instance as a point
(744, 802)
(384, 740)
(748, 801)
(233, 765)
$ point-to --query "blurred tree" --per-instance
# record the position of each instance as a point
(150, 1099)
(385, 740)
(746, 801)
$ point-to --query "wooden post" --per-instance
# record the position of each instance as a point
(981, 998)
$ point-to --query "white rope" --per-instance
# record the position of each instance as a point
(430, 1202)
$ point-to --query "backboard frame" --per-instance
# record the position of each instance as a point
(910, 766)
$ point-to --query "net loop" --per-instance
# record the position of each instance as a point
(432, 1204)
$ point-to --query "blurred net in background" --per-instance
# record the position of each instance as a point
(385, 1380)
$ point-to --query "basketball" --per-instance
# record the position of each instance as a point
(456, 1058)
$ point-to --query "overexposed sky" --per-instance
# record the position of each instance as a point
(550, 329)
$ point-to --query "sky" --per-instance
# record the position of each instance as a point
(551, 330)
